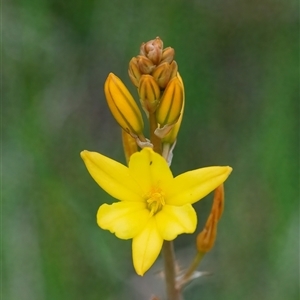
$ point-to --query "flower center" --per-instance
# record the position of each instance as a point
(155, 201)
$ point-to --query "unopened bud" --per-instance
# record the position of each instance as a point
(168, 111)
(134, 71)
(149, 93)
(153, 50)
(174, 69)
(146, 66)
(122, 106)
(171, 137)
(218, 205)
(206, 238)
(162, 74)
(167, 55)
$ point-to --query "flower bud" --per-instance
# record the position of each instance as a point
(162, 74)
(218, 205)
(149, 93)
(206, 238)
(134, 71)
(171, 137)
(171, 103)
(122, 106)
(145, 64)
(167, 55)
(153, 50)
(174, 69)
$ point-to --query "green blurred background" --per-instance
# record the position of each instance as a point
(240, 64)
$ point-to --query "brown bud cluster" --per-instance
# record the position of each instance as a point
(153, 60)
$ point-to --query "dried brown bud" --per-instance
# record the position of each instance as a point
(134, 71)
(167, 55)
(153, 50)
(145, 64)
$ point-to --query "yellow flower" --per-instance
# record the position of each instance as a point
(154, 206)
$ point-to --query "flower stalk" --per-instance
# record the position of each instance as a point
(190, 271)
(173, 292)
(152, 206)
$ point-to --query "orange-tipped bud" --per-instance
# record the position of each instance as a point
(122, 106)
(206, 238)
(146, 66)
(218, 205)
(167, 55)
(153, 50)
(149, 93)
(171, 103)
(134, 71)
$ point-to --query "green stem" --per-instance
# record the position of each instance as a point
(173, 293)
(186, 277)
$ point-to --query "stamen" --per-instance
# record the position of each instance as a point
(155, 201)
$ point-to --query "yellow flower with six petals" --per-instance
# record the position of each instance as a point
(154, 206)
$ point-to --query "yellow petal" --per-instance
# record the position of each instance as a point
(149, 169)
(112, 176)
(192, 186)
(174, 220)
(125, 219)
(146, 247)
